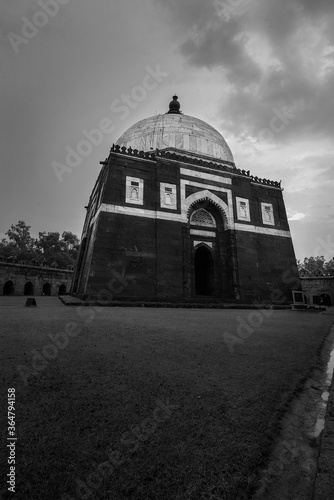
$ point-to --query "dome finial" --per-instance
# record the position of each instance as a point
(174, 105)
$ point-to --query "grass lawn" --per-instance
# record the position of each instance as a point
(152, 398)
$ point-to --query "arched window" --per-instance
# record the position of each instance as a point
(62, 290)
(202, 217)
(134, 191)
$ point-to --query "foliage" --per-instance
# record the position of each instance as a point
(20, 244)
(316, 266)
(48, 248)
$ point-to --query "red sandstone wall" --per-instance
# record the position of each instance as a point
(142, 258)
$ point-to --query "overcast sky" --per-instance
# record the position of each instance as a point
(260, 71)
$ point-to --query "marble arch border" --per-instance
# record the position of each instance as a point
(207, 244)
(206, 195)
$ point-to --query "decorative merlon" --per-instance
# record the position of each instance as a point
(152, 155)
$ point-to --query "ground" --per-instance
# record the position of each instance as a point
(180, 404)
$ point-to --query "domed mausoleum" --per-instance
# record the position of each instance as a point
(171, 218)
(176, 130)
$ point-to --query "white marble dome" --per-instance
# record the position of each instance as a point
(179, 131)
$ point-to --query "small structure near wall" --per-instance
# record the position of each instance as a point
(31, 302)
(32, 280)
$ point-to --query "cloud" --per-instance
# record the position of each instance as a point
(235, 71)
(297, 216)
(217, 47)
(318, 206)
(274, 55)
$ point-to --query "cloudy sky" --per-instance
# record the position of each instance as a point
(260, 71)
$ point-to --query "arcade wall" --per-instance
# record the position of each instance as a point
(33, 280)
(318, 286)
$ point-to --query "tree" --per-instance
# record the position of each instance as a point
(330, 267)
(48, 244)
(316, 266)
(49, 248)
(20, 245)
(62, 250)
(71, 243)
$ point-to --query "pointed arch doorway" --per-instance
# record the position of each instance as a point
(204, 273)
(28, 288)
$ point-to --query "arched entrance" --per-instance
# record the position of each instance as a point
(46, 289)
(62, 290)
(29, 288)
(325, 300)
(204, 275)
(8, 288)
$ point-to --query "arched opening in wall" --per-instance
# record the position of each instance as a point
(62, 290)
(28, 288)
(46, 289)
(204, 275)
(8, 288)
(325, 300)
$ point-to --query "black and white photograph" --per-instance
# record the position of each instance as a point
(167, 249)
